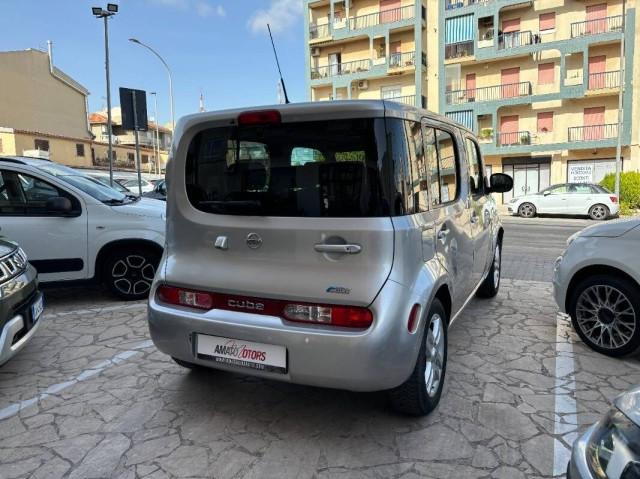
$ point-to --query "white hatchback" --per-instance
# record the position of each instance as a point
(73, 227)
(580, 199)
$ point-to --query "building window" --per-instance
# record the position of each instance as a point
(79, 149)
(42, 145)
(545, 73)
(545, 122)
(547, 21)
(131, 157)
(145, 158)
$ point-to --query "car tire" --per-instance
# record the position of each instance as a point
(128, 273)
(599, 212)
(420, 393)
(491, 284)
(527, 210)
(186, 364)
(612, 326)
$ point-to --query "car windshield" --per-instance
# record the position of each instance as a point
(92, 187)
(116, 186)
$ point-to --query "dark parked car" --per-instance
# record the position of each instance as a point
(159, 191)
(21, 303)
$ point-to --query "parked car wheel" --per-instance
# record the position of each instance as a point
(491, 284)
(420, 393)
(599, 212)
(527, 210)
(605, 312)
(129, 273)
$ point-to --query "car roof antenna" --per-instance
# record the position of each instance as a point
(284, 89)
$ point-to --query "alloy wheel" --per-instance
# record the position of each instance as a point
(133, 275)
(527, 210)
(606, 316)
(599, 212)
(496, 266)
(435, 355)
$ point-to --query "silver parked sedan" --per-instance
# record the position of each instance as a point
(580, 199)
(610, 449)
(597, 282)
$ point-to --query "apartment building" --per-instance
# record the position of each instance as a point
(367, 49)
(537, 80)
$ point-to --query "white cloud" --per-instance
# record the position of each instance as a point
(201, 7)
(221, 11)
(281, 14)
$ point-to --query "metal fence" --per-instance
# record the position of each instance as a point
(384, 16)
(593, 132)
(337, 69)
(318, 31)
(489, 93)
(514, 39)
(597, 26)
(458, 50)
(599, 81)
(399, 60)
(514, 138)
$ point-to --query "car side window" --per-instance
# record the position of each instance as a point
(475, 167)
(418, 165)
(398, 150)
(25, 195)
(581, 189)
(447, 166)
(558, 190)
(431, 161)
(12, 199)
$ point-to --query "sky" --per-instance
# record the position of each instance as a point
(218, 47)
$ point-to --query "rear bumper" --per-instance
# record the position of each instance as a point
(614, 209)
(382, 357)
(578, 467)
(16, 325)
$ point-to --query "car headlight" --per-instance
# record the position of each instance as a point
(572, 238)
(614, 449)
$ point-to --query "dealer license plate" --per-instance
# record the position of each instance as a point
(36, 309)
(246, 354)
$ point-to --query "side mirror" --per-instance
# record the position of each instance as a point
(500, 183)
(59, 205)
(546, 193)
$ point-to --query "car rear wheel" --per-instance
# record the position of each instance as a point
(491, 284)
(605, 312)
(527, 210)
(599, 212)
(420, 393)
(130, 272)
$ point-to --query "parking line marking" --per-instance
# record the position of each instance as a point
(96, 310)
(119, 358)
(566, 412)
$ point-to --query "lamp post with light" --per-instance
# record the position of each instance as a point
(173, 121)
(99, 12)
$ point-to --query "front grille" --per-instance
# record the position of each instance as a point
(12, 264)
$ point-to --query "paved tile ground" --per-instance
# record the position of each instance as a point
(90, 397)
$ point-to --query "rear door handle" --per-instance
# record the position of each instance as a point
(337, 248)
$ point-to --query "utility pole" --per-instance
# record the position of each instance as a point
(621, 101)
(155, 106)
(135, 122)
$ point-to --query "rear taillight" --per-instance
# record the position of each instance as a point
(614, 199)
(414, 315)
(185, 297)
(344, 316)
(262, 117)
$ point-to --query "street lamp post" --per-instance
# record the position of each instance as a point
(155, 116)
(620, 102)
(99, 12)
(173, 121)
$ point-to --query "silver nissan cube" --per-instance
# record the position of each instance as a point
(330, 244)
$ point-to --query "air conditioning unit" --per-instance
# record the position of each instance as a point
(363, 84)
(315, 52)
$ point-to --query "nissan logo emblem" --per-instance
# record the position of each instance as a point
(254, 241)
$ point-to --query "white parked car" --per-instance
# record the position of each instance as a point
(132, 185)
(72, 227)
(567, 199)
(597, 282)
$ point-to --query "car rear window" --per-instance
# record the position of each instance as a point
(304, 169)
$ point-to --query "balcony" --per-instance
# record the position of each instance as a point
(604, 80)
(453, 4)
(402, 60)
(339, 69)
(598, 26)
(406, 99)
(458, 50)
(130, 139)
(515, 39)
(514, 138)
(489, 93)
(319, 31)
(593, 132)
(384, 16)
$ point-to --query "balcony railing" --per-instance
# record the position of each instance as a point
(489, 93)
(453, 4)
(338, 69)
(458, 50)
(597, 26)
(401, 60)
(318, 31)
(514, 138)
(384, 16)
(514, 39)
(406, 99)
(593, 132)
(603, 80)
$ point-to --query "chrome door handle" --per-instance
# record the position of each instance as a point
(337, 248)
